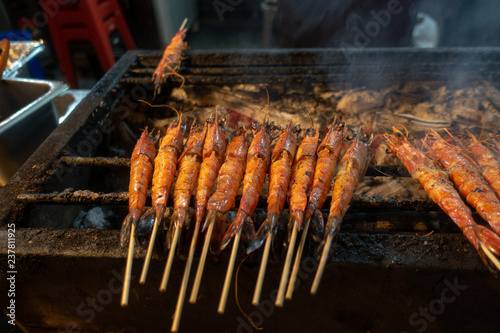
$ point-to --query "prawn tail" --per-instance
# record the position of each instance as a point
(200, 213)
(125, 231)
(299, 218)
(144, 228)
(317, 226)
(269, 226)
(211, 218)
(233, 229)
(248, 232)
(159, 213)
(332, 229)
(489, 247)
(171, 230)
(219, 222)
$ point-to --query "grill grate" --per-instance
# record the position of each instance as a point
(389, 240)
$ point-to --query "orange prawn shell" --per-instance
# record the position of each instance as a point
(351, 169)
(303, 175)
(435, 181)
(165, 166)
(326, 164)
(281, 169)
(213, 157)
(488, 163)
(141, 171)
(230, 175)
(188, 171)
(467, 179)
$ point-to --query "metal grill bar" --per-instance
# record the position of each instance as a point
(75, 161)
(69, 196)
(76, 197)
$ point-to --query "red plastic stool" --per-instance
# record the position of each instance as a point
(87, 20)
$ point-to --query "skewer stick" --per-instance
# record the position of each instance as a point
(170, 259)
(280, 298)
(262, 271)
(298, 257)
(149, 254)
(185, 279)
(183, 23)
(229, 273)
(128, 268)
(322, 263)
(201, 265)
(490, 255)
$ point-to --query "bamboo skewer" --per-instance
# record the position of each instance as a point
(280, 298)
(149, 254)
(229, 273)
(185, 279)
(201, 264)
(170, 259)
(128, 268)
(322, 263)
(298, 257)
(183, 24)
(262, 271)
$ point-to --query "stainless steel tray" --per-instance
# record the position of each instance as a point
(27, 117)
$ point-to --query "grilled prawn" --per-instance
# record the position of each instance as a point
(488, 162)
(141, 171)
(170, 63)
(302, 176)
(439, 188)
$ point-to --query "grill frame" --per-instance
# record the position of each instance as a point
(390, 257)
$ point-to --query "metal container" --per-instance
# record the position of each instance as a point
(27, 116)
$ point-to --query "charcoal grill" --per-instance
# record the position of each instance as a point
(388, 266)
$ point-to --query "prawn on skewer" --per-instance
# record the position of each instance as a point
(488, 162)
(228, 182)
(300, 184)
(436, 183)
(279, 179)
(170, 62)
(258, 158)
(141, 171)
(467, 178)
(213, 156)
(188, 170)
(351, 169)
(163, 176)
(326, 164)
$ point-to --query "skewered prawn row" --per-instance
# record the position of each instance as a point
(467, 178)
(205, 148)
(436, 183)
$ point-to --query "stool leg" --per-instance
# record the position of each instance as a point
(64, 55)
